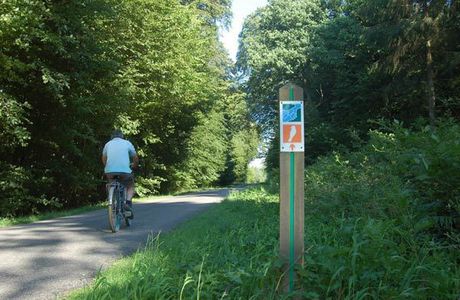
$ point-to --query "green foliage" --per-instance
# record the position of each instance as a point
(274, 44)
(368, 258)
(49, 56)
(421, 174)
(256, 175)
(206, 154)
(243, 149)
(13, 187)
(71, 71)
(12, 123)
(213, 11)
(429, 161)
(171, 85)
(148, 186)
(242, 136)
(357, 61)
(391, 230)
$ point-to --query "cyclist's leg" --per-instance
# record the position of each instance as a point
(130, 193)
(129, 184)
(110, 179)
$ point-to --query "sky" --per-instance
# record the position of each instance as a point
(240, 10)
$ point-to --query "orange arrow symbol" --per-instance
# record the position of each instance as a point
(292, 147)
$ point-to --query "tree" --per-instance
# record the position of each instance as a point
(242, 134)
(358, 62)
(414, 37)
(213, 11)
(71, 71)
(275, 47)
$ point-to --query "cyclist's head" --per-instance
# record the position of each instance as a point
(117, 133)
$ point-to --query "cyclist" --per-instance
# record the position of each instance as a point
(119, 158)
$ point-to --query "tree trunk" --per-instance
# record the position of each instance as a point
(431, 97)
(307, 92)
(431, 93)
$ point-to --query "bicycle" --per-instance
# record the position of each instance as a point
(116, 205)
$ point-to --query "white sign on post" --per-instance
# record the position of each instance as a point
(291, 126)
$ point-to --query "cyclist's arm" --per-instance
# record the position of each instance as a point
(135, 161)
(133, 155)
(104, 155)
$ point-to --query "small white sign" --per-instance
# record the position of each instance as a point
(291, 126)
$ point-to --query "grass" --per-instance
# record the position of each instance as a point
(231, 252)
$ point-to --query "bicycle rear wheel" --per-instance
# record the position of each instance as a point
(114, 220)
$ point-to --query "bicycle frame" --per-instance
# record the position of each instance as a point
(118, 187)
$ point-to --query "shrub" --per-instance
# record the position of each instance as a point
(430, 164)
(381, 221)
(16, 198)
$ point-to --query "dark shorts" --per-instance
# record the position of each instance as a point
(127, 179)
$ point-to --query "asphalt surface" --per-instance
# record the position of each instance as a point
(48, 259)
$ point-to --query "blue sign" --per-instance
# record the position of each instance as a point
(292, 112)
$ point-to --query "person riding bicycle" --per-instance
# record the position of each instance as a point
(119, 158)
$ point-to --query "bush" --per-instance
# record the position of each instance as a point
(256, 175)
(148, 186)
(430, 164)
(16, 198)
(396, 172)
(381, 222)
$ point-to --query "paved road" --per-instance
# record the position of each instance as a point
(47, 259)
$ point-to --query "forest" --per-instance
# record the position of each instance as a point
(369, 68)
(361, 63)
(73, 71)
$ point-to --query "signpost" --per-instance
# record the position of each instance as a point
(292, 148)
